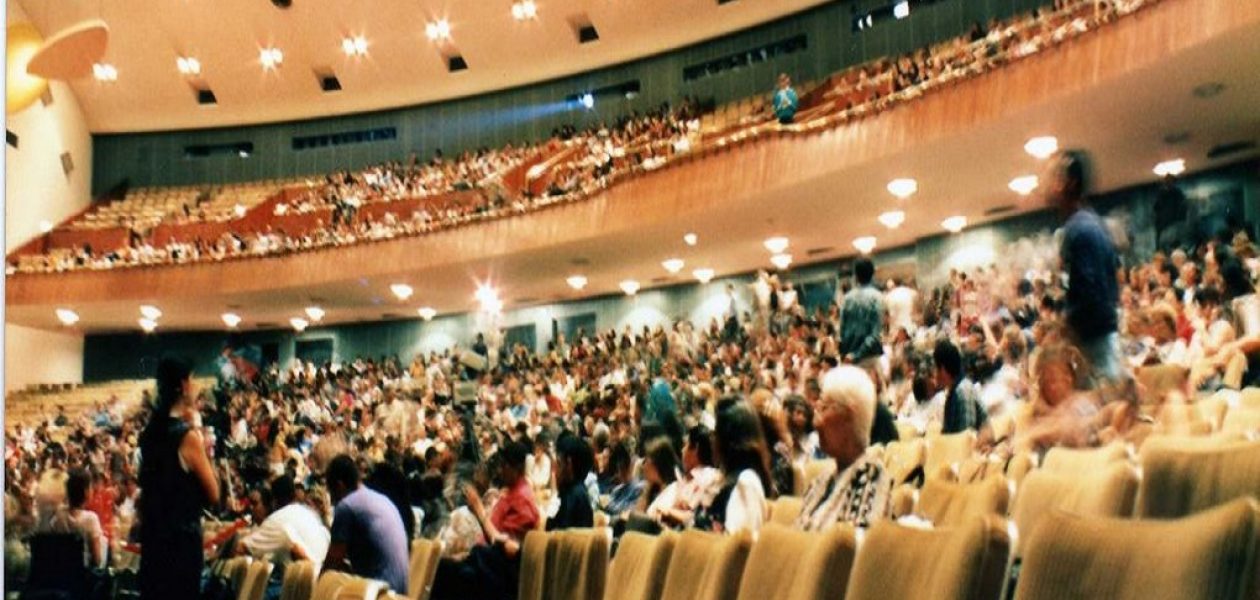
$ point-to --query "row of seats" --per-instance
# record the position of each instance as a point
(32, 406)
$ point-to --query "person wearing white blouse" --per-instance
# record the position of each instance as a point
(744, 459)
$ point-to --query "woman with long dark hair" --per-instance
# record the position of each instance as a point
(176, 481)
(740, 449)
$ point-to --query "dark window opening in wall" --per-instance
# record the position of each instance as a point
(751, 56)
(346, 137)
(11, 138)
(237, 149)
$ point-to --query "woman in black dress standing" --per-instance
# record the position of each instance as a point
(176, 481)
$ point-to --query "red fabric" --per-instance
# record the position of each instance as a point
(1185, 330)
(101, 502)
(516, 513)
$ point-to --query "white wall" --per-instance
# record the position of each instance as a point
(38, 356)
(35, 187)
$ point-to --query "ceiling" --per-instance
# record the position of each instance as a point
(402, 66)
(1123, 121)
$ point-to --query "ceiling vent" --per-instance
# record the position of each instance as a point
(585, 30)
(818, 251)
(999, 210)
(455, 64)
(205, 97)
(328, 81)
(1223, 150)
(661, 279)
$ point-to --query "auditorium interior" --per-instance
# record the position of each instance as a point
(632, 300)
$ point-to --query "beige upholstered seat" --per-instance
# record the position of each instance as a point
(1155, 383)
(946, 450)
(706, 566)
(946, 503)
(425, 555)
(329, 584)
(577, 564)
(533, 566)
(785, 564)
(815, 468)
(299, 581)
(1069, 461)
(236, 570)
(638, 572)
(1242, 421)
(950, 563)
(1108, 492)
(1208, 555)
(255, 584)
(1179, 481)
(785, 509)
(901, 458)
(359, 588)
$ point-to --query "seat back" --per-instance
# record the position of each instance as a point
(255, 584)
(1156, 382)
(299, 581)
(1178, 481)
(902, 458)
(946, 450)
(577, 564)
(360, 588)
(723, 573)
(1208, 555)
(814, 468)
(533, 566)
(946, 503)
(235, 570)
(785, 509)
(57, 562)
(1241, 421)
(329, 584)
(706, 565)
(786, 564)
(966, 562)
(1109, 492)
(425, 555)
(1069, 461)
(638, 571)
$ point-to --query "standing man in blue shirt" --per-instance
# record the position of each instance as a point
(862, 319)
(785, 100)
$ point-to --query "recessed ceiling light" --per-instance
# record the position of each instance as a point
(776, 245)
(864, 244)
(438, 30)
(673, 265)
(401, 291)
(1023, 185)
(67, 317)
(231, 319)
(315, 313)
(354, 45)
(150, 312)
(1171, 168)
(954, 224)
(104, 72)
(1042, 147)
(892, 219)
(270, 58)
(188, 65)
(691, 239)
(523, 10)
(703, 275)
(901, 9)
(576, 282)
(427, 313)
(781, 261)
(488, 298)
(299, 324)
(630, 287)
(148, 325)
(903, 188)
(45, 226)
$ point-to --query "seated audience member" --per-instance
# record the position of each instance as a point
(368, 538)
(660, 472)
(700, 481)
(574, 461)
(858, 490)
(1059, 414)
(291, 531)
(73, 518)
(963, 409)
(741, 453)
(625, 488)
(800, 420)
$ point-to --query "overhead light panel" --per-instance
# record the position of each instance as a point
(426, 312)
(438, 30)
(354, 45)
(299, 324)
(315, 313)
(576, 282)
(67, 317)
(630, 287)
(524, 10)
(401, 291)
(1023, 185)
(781, 261)
(188, 65)
(148, 325)
(1171, 168)
(104, 72)
(703, 275)
(45, 226)
(673, 265)
(231, 320)
(864, 244)
(954, 224)
(150, 312)
(270, 58)
(1043, 146)
(776, 245)
(488, 298)
(903, 187)
(892, 219)
(691, 239)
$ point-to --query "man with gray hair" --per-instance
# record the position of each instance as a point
(859, 488)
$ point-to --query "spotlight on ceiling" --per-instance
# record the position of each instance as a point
(864, 244)
(703, 275)
(691, 239)
(903, 187)
(299, 324)
(270, 58)
(1042, 146)
(1171, 168)
(630, 287)
(401, 291)
(315, 313)
(67, 317)
(104, 72)
(150, 312)
(188, 65)
(776, 245)
(673, 265)
(523, 10)
(576, 282)
(587, 100)
(488, 298)
(901, 9)
(438, 30)
(354, 45)
(781, 261)
(231, 319)
(148, 325)
(426, 312)
(954, 224)
(1023, 185)
(892, 219)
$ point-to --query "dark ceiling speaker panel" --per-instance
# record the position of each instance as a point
(206, 97)
(661, 279)
(67, 163)
(282, 4)
(999, 210)
(455, 64)
(329, 83)
(584, 29)
(817, 251)
(1231, 148)
(11, 138)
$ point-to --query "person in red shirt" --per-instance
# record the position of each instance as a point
(101, 500)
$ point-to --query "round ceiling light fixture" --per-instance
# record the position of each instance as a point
(1042, 147)
(903, 187)
(954, 224)
(892, 219)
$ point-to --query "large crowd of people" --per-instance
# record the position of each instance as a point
(686, 425)
(594, 158)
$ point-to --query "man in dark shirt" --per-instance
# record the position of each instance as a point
(963, 409)
(574, 460)
(1089, 258)
(862, 319)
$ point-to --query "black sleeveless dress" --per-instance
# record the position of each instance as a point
(171, 498)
